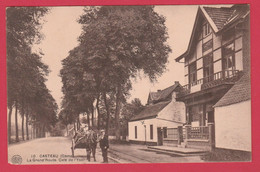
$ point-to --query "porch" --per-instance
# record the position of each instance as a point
(201, 137)
(216, 79)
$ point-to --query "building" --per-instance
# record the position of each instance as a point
(154, 125)
(232, 117)
(217, 76)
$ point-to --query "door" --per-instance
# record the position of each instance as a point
(160, 136)
(211, 117)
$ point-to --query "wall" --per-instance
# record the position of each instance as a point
(233, 126)
(141, 129)
(174, 111)
(216, 50)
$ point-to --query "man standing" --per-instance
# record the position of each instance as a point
(104, 145)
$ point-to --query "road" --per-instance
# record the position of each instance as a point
(56, 150)
(51, 150)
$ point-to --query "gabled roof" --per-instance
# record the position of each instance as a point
(150, 111)
(218, 15)
(162, 95)
(240, 92)
(223, 17)
(218, 18)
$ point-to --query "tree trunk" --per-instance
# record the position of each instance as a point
(39, 131)
(75, 129)
(88, 120)
(36, 131)
(92, 116)
(117, 111)
(22, 114)
(26, 123)
(9, 123)
(31, 131)
(98, 112)
(108, 111)
(16, 124)
(78, 123)
(67, 130)
(43, 131)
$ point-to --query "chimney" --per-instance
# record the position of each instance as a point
(176, 82)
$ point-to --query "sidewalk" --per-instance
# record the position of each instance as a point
(134, 153)
(178, 150)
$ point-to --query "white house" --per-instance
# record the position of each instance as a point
(233, 117)
(217, 75)
(162, 112)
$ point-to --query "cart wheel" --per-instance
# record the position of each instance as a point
(72, 147)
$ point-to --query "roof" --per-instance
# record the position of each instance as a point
(240, 92)
(219, 15)
(161, 95)
(223, 17)
(150, 111)
(218, 18)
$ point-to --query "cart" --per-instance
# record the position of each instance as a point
(78, 141)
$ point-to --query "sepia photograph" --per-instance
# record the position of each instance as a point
(128, 84)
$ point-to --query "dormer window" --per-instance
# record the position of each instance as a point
(206, 30)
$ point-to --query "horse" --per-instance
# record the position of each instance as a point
(86, 139)
(91, 143)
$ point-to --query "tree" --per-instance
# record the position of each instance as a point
(120, 41)
(25, 70)
(78, 86)
(128, 111)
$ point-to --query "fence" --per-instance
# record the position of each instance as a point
(201, 132)
(172, 133)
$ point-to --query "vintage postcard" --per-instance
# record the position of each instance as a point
(128, 84)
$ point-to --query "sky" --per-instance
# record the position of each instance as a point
(61, 31)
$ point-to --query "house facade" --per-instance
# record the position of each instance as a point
(162, 113)
(217, 59)
(233, 117)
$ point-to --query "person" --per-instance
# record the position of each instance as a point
(104, 145)
(79, 135)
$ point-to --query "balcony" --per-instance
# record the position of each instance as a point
(219, 78)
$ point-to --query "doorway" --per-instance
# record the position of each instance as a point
(160, 136)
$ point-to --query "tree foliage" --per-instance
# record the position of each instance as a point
(116, 43)
(26, 73)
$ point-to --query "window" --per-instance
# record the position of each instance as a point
(207, 45)
(206, 30)
(192, 72)
(151, 132)
(136, 132)
(196, 113)
(208, 68)
(228, 61)
(164, 132)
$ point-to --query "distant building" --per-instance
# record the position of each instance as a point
(217, 74)
(161, 113)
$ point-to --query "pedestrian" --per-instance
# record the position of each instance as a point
(104, 145)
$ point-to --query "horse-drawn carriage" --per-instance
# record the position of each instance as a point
(85, 140)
